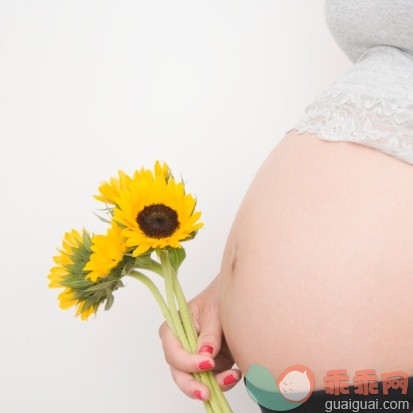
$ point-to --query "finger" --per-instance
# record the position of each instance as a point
(209, 340)
(189, 386)
(177, 357)
(229, 378)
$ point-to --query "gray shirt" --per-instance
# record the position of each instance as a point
(372, 102)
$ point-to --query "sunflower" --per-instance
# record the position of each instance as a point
(155, 212)
(108, 251)
(74, 249)
(161, 171)
(67, 300)
(68, 274)
(110, 191)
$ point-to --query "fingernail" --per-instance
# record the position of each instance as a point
(229, 380)
(197, 395)
(206, 349)
(205, 365)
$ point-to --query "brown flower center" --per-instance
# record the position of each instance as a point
(158, 221)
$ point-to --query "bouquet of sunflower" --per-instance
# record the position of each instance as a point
(149, 215)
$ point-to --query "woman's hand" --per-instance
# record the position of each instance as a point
(212, 350)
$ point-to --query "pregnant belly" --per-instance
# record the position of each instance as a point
(318, 266)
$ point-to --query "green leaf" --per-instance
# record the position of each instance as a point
(103, 219)
(87, 240)
(127, 269)
(74, 283)
(100, 286)
(87, 305)
(176, 257)
(109, 299)
(192, 235)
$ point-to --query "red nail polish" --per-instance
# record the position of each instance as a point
(229, 380)
(207, 349)
(197, 395)
(205, 365)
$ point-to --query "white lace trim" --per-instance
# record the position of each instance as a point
(341, 115)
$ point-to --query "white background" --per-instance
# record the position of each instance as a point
(90, 87)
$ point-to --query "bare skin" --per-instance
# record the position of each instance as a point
(318, 266)
(317, 270)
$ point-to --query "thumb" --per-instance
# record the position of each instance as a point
(210, 332)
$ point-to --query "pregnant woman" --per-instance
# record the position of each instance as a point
(318, 265)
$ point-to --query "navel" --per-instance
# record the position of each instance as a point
(234, 257)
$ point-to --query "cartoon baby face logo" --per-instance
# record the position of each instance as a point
(293, 387)
(296, 383)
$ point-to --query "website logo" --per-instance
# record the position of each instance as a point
(292, 388)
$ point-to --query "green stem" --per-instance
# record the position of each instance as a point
(207, 404)
(166, 313)
(155, 292)
(178, 328)
(193, 338)
(190, 329)
(185, 312)
(149, 264)
(217, 399)
(169, 274)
